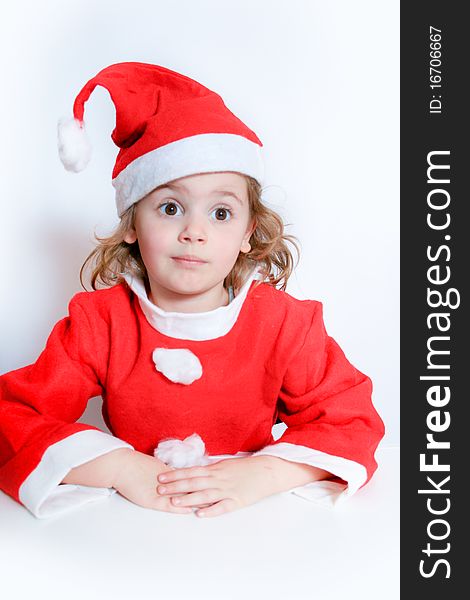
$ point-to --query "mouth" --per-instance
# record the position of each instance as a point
(189, 260)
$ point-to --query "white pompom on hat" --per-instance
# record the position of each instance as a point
(167, 126)
(74, 145)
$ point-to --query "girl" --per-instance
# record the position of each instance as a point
(194, 345)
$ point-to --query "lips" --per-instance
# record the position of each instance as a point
(189, 259)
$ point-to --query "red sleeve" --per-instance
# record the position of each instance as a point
(325, 401)
(40, 403)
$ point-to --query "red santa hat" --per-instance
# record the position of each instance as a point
(167, 126)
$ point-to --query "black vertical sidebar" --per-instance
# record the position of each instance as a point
(435, 268)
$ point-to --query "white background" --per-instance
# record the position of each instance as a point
(317, 81)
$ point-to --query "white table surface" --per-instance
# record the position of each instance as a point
(281, 547)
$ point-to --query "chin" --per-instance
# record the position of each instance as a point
(188, 289)
(188, 283)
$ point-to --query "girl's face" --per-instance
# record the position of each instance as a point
(190, 232)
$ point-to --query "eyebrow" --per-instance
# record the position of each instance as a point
(219, 192)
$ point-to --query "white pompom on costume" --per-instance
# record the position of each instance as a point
(189, 452)
(179, 365)
(74, 146)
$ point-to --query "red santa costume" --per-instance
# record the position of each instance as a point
(225, 375)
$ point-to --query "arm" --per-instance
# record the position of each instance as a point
(133, 474)
(286, 475)
(40, 440)
(99, 472)
(326, 404)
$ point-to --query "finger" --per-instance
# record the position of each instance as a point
(167, 507)
(197, 498)
(219, 508)
(193, 484)
(183, 510)
(178, 474)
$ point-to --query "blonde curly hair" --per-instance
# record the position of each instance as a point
(269, 250)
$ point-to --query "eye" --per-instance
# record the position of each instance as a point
(222, 214)
(169, 208)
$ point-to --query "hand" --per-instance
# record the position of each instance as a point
(136, 480)
(223, 486)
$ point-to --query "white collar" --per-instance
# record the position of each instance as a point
(191, 326)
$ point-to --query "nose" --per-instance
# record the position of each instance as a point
(193, 230)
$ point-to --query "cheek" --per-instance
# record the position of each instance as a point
(154, 241)
(229, 242)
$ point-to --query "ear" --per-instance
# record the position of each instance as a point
(131, 236)
(246, 246)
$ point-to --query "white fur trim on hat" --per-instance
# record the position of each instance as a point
(189, 452)
(204, 153)
(179, 365)
(73, 143)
